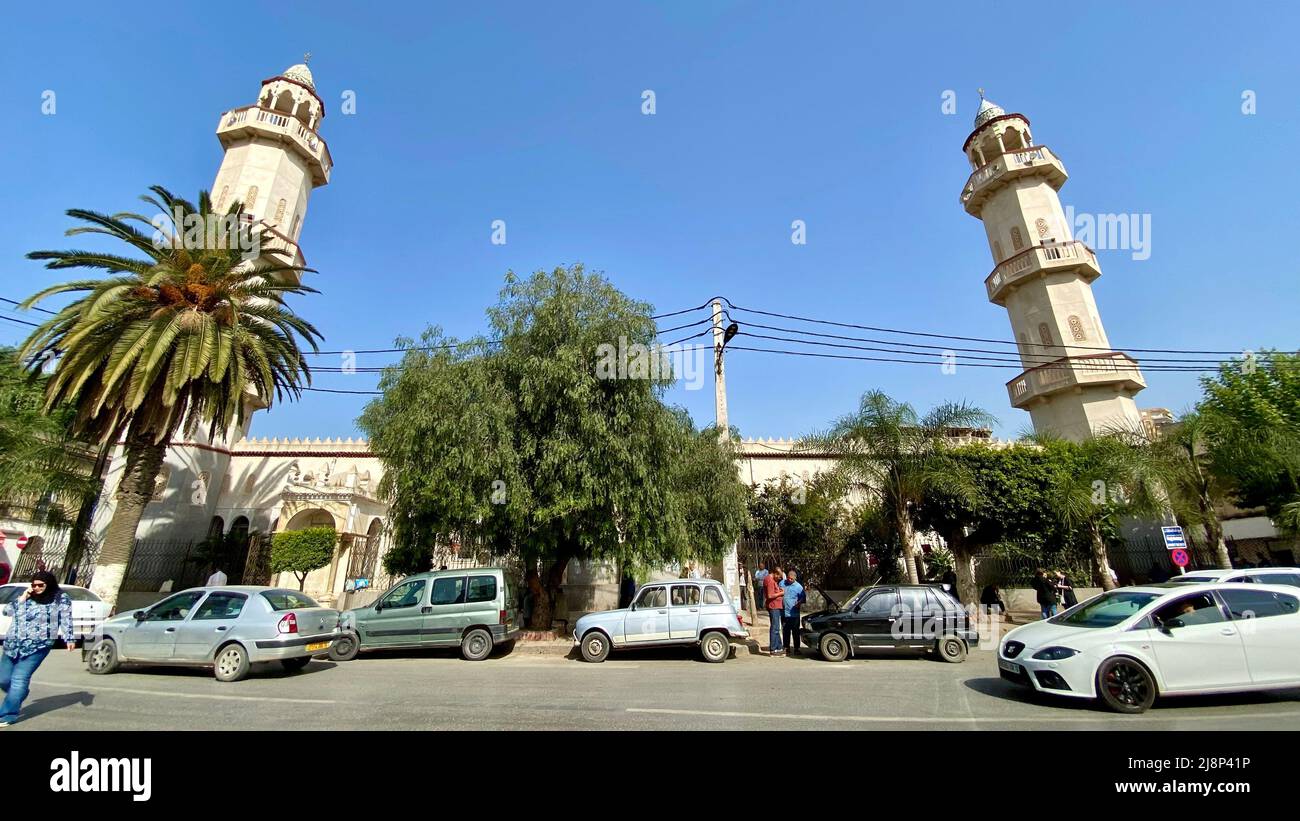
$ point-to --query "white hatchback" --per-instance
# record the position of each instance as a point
(1129, 645)
(88, 610)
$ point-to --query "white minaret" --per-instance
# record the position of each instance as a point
(1073, 385)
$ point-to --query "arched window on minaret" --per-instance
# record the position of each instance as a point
(279, 212)
(284, 102)
(250, 202)
(1017, 241)
(221, 200)
(1045, 334)
(1024, 345)
(997, 251)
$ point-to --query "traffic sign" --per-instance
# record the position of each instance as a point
(1179, 557)
(2, 538)
(22, 541)
(1173, 537)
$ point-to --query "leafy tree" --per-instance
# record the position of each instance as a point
(887, 447)
(185, 330)
(301, 551)
(1187, 453)
(527, 444)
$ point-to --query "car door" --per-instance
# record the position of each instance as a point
(1270, 630)
(647, 621)
(919, 621)
(683, 611)
(871, 623)
(213, 620)
(397, 618)
(444, 615)
(1196, 646)
(153, 638)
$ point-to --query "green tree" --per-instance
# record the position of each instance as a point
(188, 329)
(1187, 453)
(301, 551)
(531, 445)
(901, 456)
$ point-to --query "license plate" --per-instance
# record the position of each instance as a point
(1010, 667)
(320, 645)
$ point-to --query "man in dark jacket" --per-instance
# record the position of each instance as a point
(1045, 592)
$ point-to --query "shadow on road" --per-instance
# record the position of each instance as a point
(998, 688)
(49, 704)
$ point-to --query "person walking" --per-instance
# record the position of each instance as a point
(41, 615)
(991, 597)
(774, 601)
(1045, 593)
(626, 591)
(1068, 597)
(792, 598)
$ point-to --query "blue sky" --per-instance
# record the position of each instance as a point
(766, 113)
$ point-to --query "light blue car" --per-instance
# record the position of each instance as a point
(675, 612)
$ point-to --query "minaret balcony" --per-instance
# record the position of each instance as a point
(1072, 374)
(1071, 257)
(254, 121)
(1036, 160)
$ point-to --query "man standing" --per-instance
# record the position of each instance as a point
(1045, 592)
(792, 597)
(774, 601)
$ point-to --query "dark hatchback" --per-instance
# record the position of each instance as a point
(893, 617)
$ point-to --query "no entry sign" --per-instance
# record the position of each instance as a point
(1179, 557)
(22, 541)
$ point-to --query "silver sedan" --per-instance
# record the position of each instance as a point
(228, 628)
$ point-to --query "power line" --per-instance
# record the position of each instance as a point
(21, 321)
(33, 308)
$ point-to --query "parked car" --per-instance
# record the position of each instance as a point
(445, 608)
(88, 610)
(1257, 575)
(1128, 646)
(893, 617)
(683, 612)
(228, 628)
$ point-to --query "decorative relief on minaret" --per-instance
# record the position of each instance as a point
(1045, 334)
(1017, 241)
(279, 212)
(1076, 329)
(251, 201)
(1041, 225)
(997, 251)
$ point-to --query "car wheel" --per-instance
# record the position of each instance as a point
(715, 647)
(595, 647)
(345, 647)
(834, 647)
(103, 658)
(231, 663)
(951, 649)
(1125, 686)
(477, 644)
(295, 664)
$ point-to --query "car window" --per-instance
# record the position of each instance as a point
(175, 608)
(80, 594)
(8, 594)
(406, 594)
(288, 600)
(652, 597)
(685, 595)
(1258, 604)
(713, 595)
(221, 606)
(1106, 610)
(878, 604)
(448, 590)
(914, 601)
(1191, 579)
(1290, 579)
(1198, 608)
(481, 588)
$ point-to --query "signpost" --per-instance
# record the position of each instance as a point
(1177, 544)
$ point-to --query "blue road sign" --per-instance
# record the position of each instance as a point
(1173, 537)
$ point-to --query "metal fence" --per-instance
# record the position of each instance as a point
(245, 559)
(853, 569)
(52, 555)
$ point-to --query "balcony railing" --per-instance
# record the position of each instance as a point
(1040, 258)
(307, 139)
(1075, 371)
(1007, 166)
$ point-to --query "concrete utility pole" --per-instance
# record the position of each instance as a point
(719, 376)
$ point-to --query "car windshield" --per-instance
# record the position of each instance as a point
(852, 600)
(287, 600)
(1107, 610)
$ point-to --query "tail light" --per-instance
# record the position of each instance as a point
(503, 618)
(288, 624)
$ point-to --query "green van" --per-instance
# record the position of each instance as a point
(444, 608)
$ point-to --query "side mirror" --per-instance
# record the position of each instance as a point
(139, 615)
(1172, 623)
(379, 606)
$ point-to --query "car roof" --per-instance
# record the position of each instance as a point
(454, 571)
(1185, 587)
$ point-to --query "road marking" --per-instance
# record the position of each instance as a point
(62, 685)
(953, 719)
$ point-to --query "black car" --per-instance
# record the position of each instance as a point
(893, 617)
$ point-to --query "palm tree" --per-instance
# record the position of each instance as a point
(185, 332)
(900, 455)
(1188, 449)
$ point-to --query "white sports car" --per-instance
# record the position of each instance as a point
(1129, 645)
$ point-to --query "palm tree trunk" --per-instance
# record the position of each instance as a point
(909, 554)
(85, 515)
(1214, 530)
(144, 459)
(1100, 561)
(963, 559)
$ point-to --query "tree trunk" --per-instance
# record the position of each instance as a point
(909, 553)
(144, 459)
(1214, 530)
(1100, 561)
(546, 589)
(85, 515)
(963, 559)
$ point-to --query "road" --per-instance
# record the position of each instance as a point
(654, 689)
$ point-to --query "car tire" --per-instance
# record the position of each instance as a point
(231, 663)
(345, 647)
(103, 658)
(477, 645)
(834, 647)
(1125, 686)
(295, 665)
(951, 649)
(715, 646)
(595, 647)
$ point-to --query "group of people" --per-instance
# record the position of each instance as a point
(1053, 589)
(782, 596)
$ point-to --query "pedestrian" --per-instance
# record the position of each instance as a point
(626, 591)
(1114, 577)
(792, 599)
(1068, 598)
(42, 614)
(691, 572)
(774, 601)
(217, 579)
(991, 597)
(1045, 593)
(950, 582)
(759, 575)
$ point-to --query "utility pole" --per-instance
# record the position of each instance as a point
(719, 376)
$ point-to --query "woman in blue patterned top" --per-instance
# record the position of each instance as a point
(40, 616)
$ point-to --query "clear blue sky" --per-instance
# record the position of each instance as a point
(766, 113)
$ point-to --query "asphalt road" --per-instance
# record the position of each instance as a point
(654, 689)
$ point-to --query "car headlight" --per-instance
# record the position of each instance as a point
(1055, 653)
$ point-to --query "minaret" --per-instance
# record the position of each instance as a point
(1073, 384)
